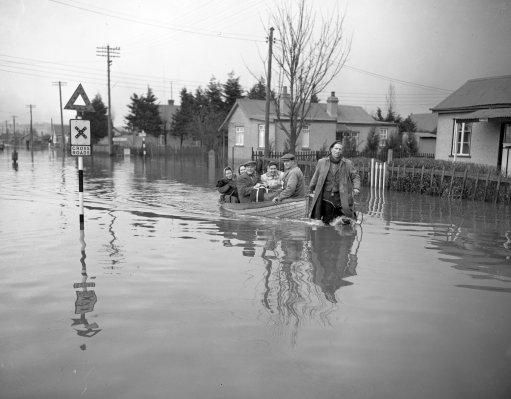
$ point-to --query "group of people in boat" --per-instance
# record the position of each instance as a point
(332, 187)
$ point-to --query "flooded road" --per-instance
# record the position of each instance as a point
(165, 297)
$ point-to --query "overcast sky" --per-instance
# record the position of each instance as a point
(425, 48)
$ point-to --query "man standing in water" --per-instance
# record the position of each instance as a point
(334, 184)
(293, 181)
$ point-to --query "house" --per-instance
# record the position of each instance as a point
(425, 132)
(474, 123)
(245, 124)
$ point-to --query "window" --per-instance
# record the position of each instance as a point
(261, 130)
(240, 135)
(305, 136)
(383, 137)
(461, 146)
(507, 134)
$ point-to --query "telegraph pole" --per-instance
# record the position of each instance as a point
(14, 152)
(268, 98)
(6, 132)
(109, 52)
(63, 138)
(31, 130)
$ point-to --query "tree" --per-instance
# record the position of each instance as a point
(144, 114)
(98, 119)
(232, 91)
(258, 91)
(181, 120)
(408, 125)
(308, 57)
(373, 140)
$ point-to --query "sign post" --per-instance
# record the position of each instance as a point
(80, 146)
(143, 134)
(80, 135)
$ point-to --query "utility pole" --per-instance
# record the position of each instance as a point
(63, 138)
(14, 152)
(31, 130)
(6, 132)
(268, 98)
(109, 52)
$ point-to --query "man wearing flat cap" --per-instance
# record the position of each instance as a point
(293, 181)
(247, 182)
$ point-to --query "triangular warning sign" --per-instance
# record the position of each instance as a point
(71, 103)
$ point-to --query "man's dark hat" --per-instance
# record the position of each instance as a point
(288, 157)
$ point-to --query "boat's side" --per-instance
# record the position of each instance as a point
(289, 209)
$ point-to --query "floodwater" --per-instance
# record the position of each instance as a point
(166, 297)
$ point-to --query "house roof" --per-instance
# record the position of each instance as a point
(501, 113)
(167, 111)
(479, 93)
(348, 114)
(425, 122)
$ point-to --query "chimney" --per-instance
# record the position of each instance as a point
(332, 105)
(284, 101)
(171, 102)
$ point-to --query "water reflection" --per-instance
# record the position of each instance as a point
(305, 266)
(85, 300)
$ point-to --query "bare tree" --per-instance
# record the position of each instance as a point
(310, 52)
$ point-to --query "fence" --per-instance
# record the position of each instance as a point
(456, 182)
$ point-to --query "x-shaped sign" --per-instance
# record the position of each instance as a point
(80, 132)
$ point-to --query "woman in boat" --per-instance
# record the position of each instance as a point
(334, 183)
(241, 169)
(227, 186)
(247, 182)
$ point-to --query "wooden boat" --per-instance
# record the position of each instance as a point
(287, 209)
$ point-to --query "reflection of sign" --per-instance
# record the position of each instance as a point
(142, 134)
(81, 285)
(80, 137)
(85, 301)
(71, 103)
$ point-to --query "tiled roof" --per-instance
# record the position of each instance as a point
(479, 93)
(425, 122)
(255, 109)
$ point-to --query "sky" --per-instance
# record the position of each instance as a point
(425, 49)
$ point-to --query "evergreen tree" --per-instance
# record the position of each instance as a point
(379, 114)
(232, 91)
(213, 94)
(407, 125)
(98, 119)
(258, 91)
(373, 139)
(144, 114)
(314, 98)
(182, 119)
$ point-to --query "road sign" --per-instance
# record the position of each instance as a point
(119, 138)
(71, 103)
(142, 134)
(80, 137)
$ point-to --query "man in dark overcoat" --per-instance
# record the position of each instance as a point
(246, 183)
(334, 183)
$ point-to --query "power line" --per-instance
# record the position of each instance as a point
(161, 25)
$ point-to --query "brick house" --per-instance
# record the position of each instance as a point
(474, 123)
(326, 122)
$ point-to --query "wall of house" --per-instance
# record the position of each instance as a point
(321, 135)
(484, 142)
(427, 145)
(243, 153)
(364, 130)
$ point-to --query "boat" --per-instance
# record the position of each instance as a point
(291, 208)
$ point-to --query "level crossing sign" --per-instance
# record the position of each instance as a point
(80, 137)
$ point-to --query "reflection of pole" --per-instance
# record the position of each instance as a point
(80, 191)
(143, 146)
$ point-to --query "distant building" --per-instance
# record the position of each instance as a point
(474, 123)
(425, 132)
(245, 124)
